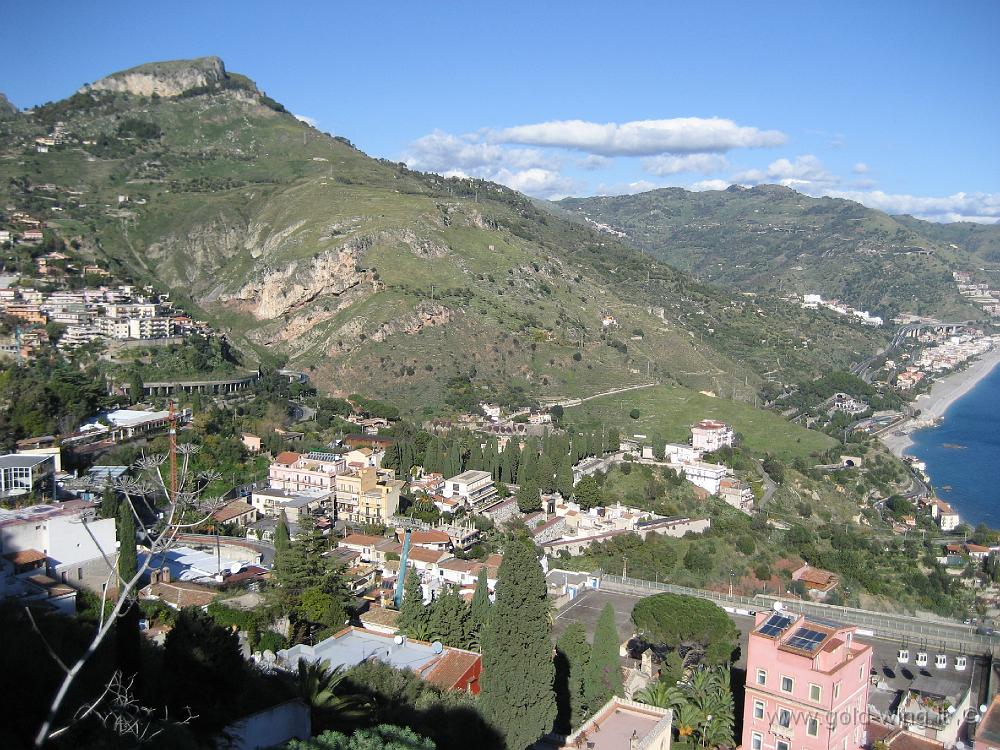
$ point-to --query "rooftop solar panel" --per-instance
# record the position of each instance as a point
(806, 639)
(774, 625)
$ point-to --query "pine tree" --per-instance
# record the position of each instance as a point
(518, 673)
(604, 674)
(412, 610)
(572, 655)
(282, 539)
(564, 476)
(479, 608)
(127, 637)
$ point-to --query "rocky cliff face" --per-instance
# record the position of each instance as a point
(163, 78)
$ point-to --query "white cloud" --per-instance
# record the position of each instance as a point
(440, 152)
(641, 137)
(710, 185)
(666, 164)
(543, 183)
(860, 168)
(982, 208)
(593, 161)
(310, 121)
(804, 172)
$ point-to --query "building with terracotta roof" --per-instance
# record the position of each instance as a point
(987, 732)
(364, 544)
(432, 539)
(816, 580)
(236, 512)
(177, 594)
(736, 493)
(446, 667)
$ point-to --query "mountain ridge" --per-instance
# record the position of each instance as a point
(437, 291)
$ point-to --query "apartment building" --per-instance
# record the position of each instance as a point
(368, 495)
(297, 472)
(709, 435)
(807, 685)
(473, 487)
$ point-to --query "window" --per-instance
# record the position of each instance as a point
(787, 684)
(781, 745)
(758, 709)
(784, 718)
(761, 676)
(815, 693)
(836, 690)
(756, 741)
(812, 726)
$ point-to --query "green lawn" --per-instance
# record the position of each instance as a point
(666, 413)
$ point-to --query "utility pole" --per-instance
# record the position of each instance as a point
(172, 421)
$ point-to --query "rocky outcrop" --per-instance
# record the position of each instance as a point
(163, 78)
(281, 291)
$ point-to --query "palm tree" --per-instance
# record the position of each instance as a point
(661, 695)
(319, 687)
(419, 631)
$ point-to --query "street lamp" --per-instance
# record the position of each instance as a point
(732, 574)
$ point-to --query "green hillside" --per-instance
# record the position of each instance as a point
(772, 239)
(425, 290)
(667, 413)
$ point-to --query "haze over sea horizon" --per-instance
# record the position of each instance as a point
(963, 453)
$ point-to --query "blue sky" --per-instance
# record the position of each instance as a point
(892, 103)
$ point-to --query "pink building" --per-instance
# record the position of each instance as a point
(807, 685)
(709, 435)
(297, 472)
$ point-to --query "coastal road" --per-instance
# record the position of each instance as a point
(884, 625)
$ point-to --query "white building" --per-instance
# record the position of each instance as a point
(65, 537)
(709, 435)
(707, 476)
(474, 487)
(272, 501)
(737, 493)
(675, 453)
(22, 474)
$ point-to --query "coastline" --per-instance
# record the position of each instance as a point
(943, 393)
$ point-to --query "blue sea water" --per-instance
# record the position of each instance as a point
(963, 453)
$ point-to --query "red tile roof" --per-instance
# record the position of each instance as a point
(232, 510)
(360, 540)
(25, 556)
(451, 667)
(287, 458)
(429, 537)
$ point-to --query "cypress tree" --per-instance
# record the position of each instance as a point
(528, 498)
(518, 673)
(564, 476)
(527, 470)
(448, 619)
(479, 608)
(127, 639)
(546, 473)
(282, 539)
(412, 610)
(604, 674)
(572, 655)
(454, 460)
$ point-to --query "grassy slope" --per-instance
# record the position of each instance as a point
(235, 190)
(667, 413)
(774, 239)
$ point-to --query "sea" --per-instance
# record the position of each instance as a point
(962, 453)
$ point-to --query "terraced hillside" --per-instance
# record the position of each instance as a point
(426, 290)
(773, 239)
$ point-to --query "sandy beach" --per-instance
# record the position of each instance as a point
(944, 392)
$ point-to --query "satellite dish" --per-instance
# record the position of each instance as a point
(778, 606)
(437, 647)
(398, 640)
(982, 708)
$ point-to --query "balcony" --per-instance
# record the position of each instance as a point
(781, 732)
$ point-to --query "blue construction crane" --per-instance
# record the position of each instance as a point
(397, 598)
